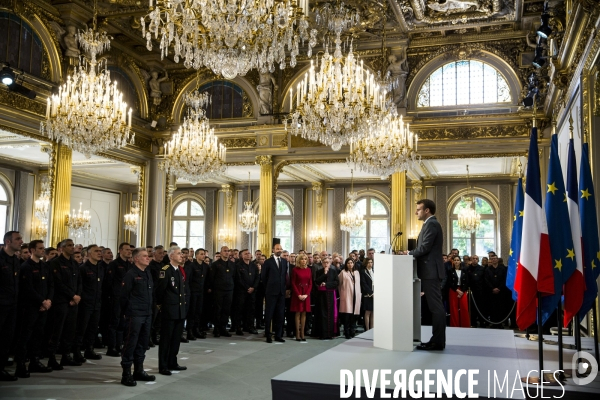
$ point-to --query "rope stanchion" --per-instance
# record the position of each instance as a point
(484, 318)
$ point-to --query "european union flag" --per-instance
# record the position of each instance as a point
(589, 233)
(559, 231)
(515, 240)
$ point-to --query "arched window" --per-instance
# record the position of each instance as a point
(284, 224)
(375, 231)
(4, 206)
(464, 82)
(19, 45)
(227, 100)
(483, 239)
(188, 224)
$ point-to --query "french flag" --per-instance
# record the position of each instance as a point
(535, 264)
(575, 285)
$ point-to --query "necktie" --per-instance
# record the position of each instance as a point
(277, 261)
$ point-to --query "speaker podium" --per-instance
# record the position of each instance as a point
(397, 303)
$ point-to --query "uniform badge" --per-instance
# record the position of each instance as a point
(173, 281)
(43, 277)
(122, 283)
(227, 270)
(98, 279)
(250, 273)
(162, 274)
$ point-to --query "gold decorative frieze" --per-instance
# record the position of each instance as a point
(298, 141)
(239, 143)
(472, 132)
(22, 103)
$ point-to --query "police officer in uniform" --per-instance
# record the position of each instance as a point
(221, 278)
(170, 298)
(196, 283)
(247, 281)
(116, 271)
(92, 279)
(35, 299)
(136, 303)
(67, 295)
(188, 273)
(155, 266)
(9, 292)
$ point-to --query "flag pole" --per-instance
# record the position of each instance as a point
(595, 325)
(539, 295)
(559, 317)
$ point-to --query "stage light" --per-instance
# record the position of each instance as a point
(7, 76)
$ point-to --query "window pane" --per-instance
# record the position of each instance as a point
(462, 82)
(457, 232)
(196, 228)
(3, 196)
(357, 243)
(461, 205)
(362, 231)
(476, 82)
(286, 243)
(462, 244)
(180, 240)
(490, 87)
(283, 228)
(181, 210)
(3, 211)
(379, 228)
(196, 209)
(196, 242)
(377, 208)
(435, 88)
(486, 229)
(282, 209)
(361, 206)
(483, 246)
(378, 244)
(482, 206)
(424, 95)
(180, 228)
(449, 82)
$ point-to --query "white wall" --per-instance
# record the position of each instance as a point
(104, 209)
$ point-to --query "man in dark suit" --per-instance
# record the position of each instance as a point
(430, 269)
(273, 275)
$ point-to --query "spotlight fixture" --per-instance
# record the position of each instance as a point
(539, 60)
(7, 76)
(544, 30)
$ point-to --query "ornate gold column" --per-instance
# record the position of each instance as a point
(398, 209)
(61, 193)
(265, 210)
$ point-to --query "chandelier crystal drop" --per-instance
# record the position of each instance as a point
(248, 220)
(390, 148)
(339, 102)
(338, 18)
(92, 41)
(468, 218)
(228, 36)
(194, 153)
(79, 222)
(131, 220)
(351, 220)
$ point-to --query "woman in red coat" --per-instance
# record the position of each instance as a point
(458, 302)
(301, 287)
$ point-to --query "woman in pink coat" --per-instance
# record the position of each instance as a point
(350, 296)
(301, 287)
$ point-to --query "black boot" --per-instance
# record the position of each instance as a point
(112, 352)
(21, 371)
(151, 343)
(52, 363)
(127, 378)
(66, 360)
(36, 366)
(183, 340)
(6, 377)
(190, 335)
(140, 375)
(77, 356)
(201, 335)
(90, 354)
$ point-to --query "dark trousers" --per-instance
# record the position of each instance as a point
(195, 311)
(290, 318)
(115, 329)
(105, 313)
(63, 329)
(87, 327)
(244, 311)
(170, 340)
(431, 288)
(8, 317)
(348, 320)
(135, 340)
(259, 305)
(222, 308)
(274, 312)
(31, 333)
(207, 311)
(155, 319)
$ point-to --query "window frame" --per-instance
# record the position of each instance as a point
(484, 217)
(188, 218)
(5, 185)
(368, 217)
(284, 218)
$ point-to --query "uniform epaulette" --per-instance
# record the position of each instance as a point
(166, 267)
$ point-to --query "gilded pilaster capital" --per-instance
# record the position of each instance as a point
(317, 187)
(228, 191)
(264, 160)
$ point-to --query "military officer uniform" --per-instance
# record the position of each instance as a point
(136, 304)
(221, 278)
(116, 271)
(170, 297)
(155, 268)
(9, 292)
(92, 279)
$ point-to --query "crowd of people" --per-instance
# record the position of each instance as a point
(70, 300)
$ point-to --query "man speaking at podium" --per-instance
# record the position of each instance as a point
(430, 269)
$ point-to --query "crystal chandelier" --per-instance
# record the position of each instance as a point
(248, 220)
(131, 219)
(229, 36)
(193, 153)
(317, 238)
(225, 236)
(351, 220)
(338, 18)
(339, 102)
(88, 114)
(42, 204)
(468, 219)
(79, 222)
(390, 148)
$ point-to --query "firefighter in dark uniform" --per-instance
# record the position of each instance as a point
(221, 281)
(188, 273)
(247, 281)
(116, 271)
(170, 298)
(196, 284)
(35, 299)
(67, 295)
(136, 304)
(105, 312)
(155, 266)
(92, 279)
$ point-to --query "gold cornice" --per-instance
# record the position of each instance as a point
(468, 156)
(19, 102)
(472, 132)
(468, 38)
(24, 133)
(238, 143)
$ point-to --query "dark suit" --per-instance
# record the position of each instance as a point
(430, 269)
(170, 297)
(274, 279)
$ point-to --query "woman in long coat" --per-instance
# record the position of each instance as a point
(350, 296)
(326, 281)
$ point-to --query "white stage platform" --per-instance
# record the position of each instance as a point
(487, 350)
